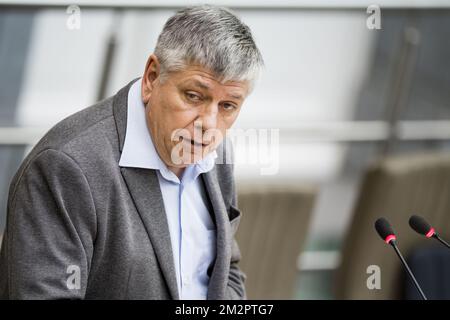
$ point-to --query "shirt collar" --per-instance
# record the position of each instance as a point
(139, 150)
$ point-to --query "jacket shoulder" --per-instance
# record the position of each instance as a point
(81, 130)
(75, 125)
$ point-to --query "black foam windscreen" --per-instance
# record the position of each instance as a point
(419, 224)
(384, 228)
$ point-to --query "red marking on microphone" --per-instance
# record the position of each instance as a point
(430, 233)
(389, 238)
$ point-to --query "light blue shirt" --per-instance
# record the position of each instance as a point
(192, 231)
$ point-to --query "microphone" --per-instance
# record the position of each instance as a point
(386, 233)
(421, 226)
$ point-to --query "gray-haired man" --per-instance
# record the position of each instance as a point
(130, 198)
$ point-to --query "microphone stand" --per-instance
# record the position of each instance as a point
(397, 251)
(436, 236)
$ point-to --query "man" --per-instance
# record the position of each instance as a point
(109, 206)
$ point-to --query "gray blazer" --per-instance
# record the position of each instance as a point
(75, 215)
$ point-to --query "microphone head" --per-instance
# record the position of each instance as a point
(385, 230)
(421, 226)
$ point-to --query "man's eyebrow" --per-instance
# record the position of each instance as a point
(198, 84)
(236, 96)
(205, 86)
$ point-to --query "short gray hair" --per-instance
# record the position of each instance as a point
(213, 38)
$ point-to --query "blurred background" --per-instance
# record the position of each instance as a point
(363, 116)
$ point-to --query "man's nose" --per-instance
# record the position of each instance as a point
(208, 117)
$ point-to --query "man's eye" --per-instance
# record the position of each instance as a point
(229, 106)
(192, 96)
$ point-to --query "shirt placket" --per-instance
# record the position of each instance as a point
(184, 260)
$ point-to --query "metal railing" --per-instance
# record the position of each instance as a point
(349, 131)
(253, 4)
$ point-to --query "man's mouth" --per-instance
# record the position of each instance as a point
(197, 144)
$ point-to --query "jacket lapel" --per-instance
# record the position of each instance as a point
(143, 186)
(219, 277)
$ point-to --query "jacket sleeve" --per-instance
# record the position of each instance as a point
(51, 227)
(236, 280)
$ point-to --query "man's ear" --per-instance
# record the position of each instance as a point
(149, 78)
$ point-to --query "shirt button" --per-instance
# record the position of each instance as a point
(186, 280)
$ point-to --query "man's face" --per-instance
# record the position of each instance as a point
(194, 101)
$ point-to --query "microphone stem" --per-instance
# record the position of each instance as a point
(408, 270)
(442, 241)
